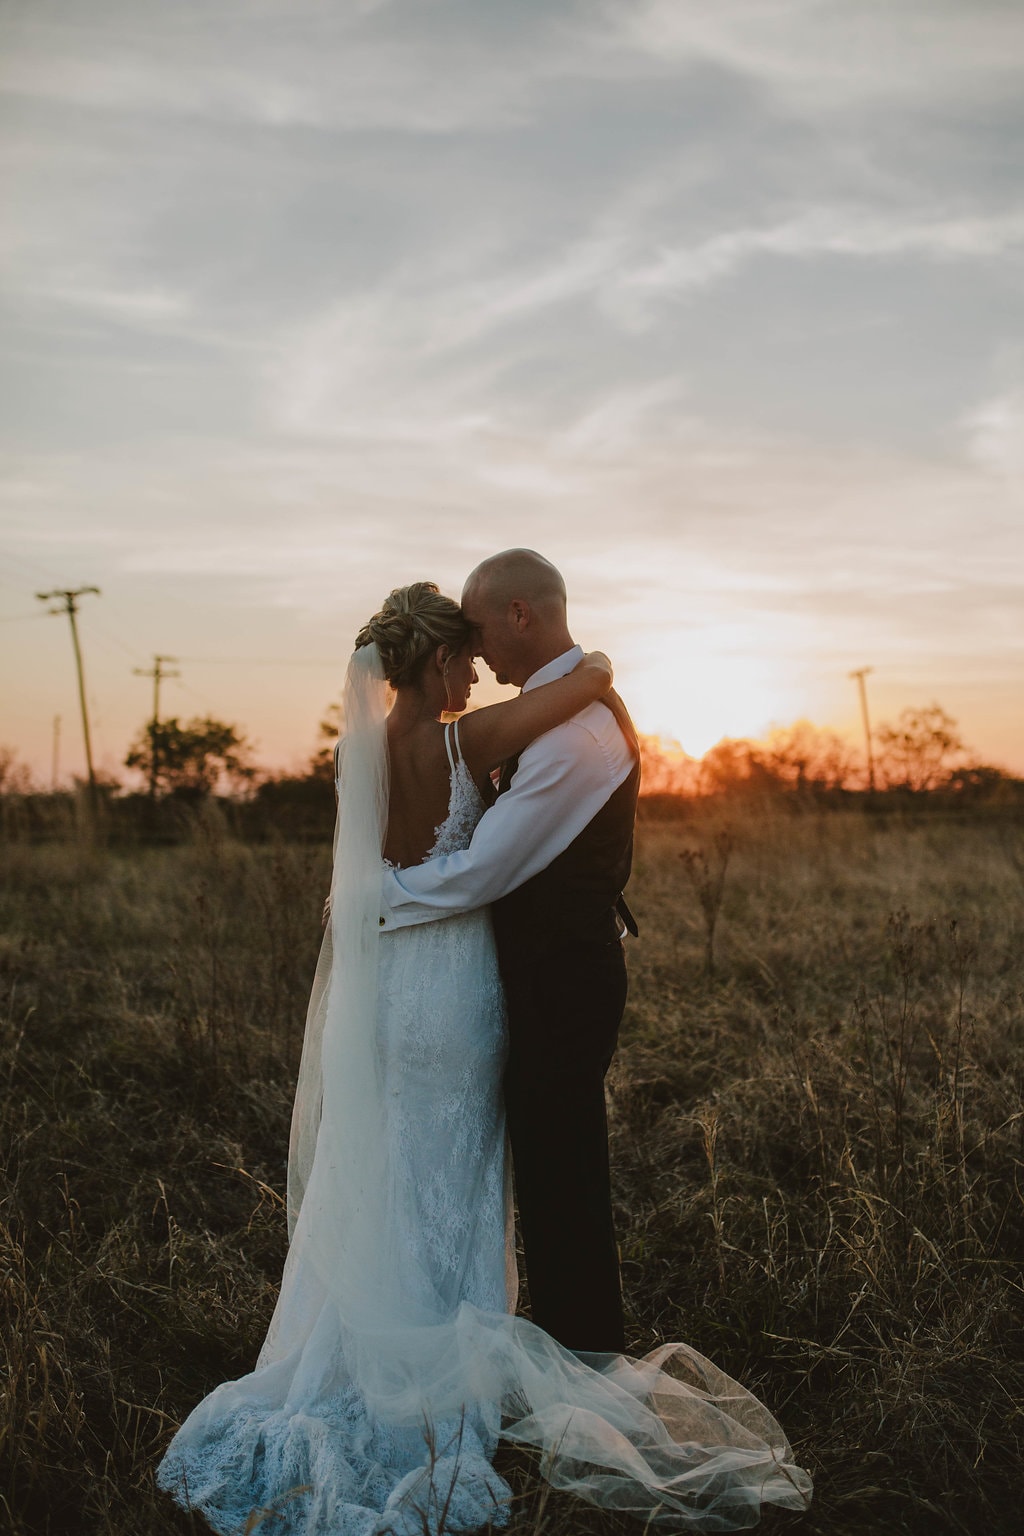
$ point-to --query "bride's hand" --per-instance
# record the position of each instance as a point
(601, 663)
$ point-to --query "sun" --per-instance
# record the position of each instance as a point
(696, 694)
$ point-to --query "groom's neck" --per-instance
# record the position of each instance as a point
(546, 649)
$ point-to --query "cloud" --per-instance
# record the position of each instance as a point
(855, 232)
(995, 434)
(336, 67)
(619, 421)
(152, 308)
(826, 55)
(418, 355)
(454, 65)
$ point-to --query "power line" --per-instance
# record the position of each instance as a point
(17, 618)
(112, 639)
(194, 693)
(69, 601)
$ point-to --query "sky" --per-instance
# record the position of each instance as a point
(721, 307)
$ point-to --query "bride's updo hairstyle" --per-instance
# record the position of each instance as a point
(410, 624)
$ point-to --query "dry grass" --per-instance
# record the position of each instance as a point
(817, 1155)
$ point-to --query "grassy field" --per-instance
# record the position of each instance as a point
(817, 1155)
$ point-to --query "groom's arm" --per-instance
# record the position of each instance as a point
(562, 781)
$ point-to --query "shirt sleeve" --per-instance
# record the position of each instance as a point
(562, 781)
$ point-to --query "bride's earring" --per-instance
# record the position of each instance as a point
(447, 689)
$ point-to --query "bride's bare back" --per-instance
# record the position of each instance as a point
(419, 791)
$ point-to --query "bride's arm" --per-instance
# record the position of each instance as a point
(490, 735)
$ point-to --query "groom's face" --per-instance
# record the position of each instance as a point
(492, 633)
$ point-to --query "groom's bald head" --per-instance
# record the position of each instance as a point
(516, 573)
(516, 604)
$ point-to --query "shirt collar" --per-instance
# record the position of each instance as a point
(552, 670)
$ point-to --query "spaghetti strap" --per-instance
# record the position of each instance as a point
(448, 745)
(458, 744)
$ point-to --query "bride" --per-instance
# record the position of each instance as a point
(394, 1361)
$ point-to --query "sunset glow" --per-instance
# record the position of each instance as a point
(696, 694)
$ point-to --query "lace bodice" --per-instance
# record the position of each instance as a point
(465, 802)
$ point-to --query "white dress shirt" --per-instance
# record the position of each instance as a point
(563, 780)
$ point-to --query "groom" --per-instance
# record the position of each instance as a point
(552, 855)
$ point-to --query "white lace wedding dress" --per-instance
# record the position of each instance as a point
(252, 1443)
(379, 1395)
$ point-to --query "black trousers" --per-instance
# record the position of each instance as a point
(564, 1010)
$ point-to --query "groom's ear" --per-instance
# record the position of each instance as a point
(519, 613)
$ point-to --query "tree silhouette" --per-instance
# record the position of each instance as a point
(665, 769)
(734, 766)
(321, 764)
(192, 758)
(917, 751)
(15, 776)
(806, 757)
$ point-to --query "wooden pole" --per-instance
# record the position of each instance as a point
(860, 675)
(69, 600)
(157, 672)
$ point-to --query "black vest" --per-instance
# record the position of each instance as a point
(574, 899)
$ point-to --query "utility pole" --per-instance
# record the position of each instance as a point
(69, 601)
(157, 672)
(55, 776)
(860, 675)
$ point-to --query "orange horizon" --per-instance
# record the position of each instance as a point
(666, 759)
